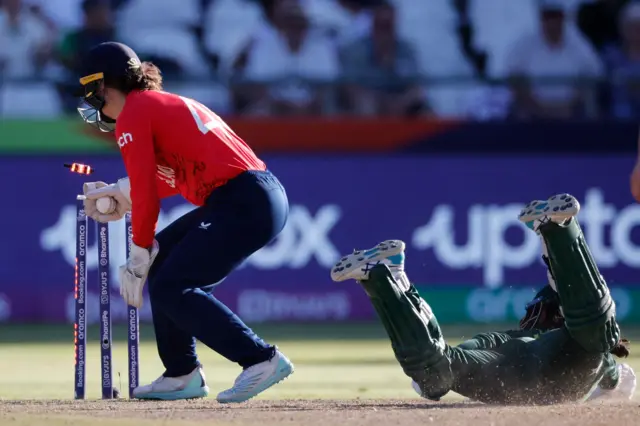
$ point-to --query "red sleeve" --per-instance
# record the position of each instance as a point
(135, 140)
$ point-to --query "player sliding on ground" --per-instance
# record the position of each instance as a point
(526, 366)
(174, 145)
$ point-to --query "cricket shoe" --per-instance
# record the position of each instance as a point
(358, 265)
(258, 378)
(558, 209)
(193, 385)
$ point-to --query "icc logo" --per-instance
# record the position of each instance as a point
(124, 139)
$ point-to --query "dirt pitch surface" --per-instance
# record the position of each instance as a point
(313, 413)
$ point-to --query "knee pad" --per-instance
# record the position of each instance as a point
(597, 332)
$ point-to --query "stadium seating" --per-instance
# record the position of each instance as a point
(29, 100)
(165, 28)
(205, 37)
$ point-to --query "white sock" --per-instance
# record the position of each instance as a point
(402, 279)
(545, 252)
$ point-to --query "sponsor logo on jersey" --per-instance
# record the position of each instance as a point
(124, 139)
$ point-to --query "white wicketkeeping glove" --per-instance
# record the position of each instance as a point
(134, 274)
(119, 192)
(623, 391)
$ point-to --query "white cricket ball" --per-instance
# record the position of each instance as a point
(106, 205)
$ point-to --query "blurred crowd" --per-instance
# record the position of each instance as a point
(482, 59)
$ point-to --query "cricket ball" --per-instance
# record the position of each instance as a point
(106, 205)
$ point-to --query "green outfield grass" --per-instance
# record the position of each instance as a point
(63, 136)
(332, 361)
(337, 361)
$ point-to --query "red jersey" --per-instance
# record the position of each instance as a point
(174, 145)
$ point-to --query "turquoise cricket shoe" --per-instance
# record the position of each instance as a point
(191, 386)
(357, 265)
(257, 378)
(557, 208)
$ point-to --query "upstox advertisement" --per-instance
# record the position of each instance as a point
(467, 252)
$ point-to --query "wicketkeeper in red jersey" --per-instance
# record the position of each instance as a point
(174, 145)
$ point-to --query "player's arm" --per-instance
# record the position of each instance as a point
(135, 139)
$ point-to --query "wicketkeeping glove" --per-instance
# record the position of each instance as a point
(119, 192)
(134, 274)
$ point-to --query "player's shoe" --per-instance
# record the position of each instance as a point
(357, 265)
(193, 385)
(416, 387)
(558, 209)
(258, 378)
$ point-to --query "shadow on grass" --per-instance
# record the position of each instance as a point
(47, 333)
(332, 331)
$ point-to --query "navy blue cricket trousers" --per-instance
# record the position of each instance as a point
(199, 250)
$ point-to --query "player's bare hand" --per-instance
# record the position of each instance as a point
(635, 181)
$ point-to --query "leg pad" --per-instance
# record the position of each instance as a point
(587, 305)
(415, 335)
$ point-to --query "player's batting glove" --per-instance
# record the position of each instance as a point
(119, 192)
(134, 274)
(624, 390)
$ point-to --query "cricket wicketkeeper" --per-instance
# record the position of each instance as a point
(563, 351)
(173, 145)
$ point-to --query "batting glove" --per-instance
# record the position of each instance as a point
(625, 389)
(134, 274)
(119, 192)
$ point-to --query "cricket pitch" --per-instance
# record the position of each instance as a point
(309, 413)
(346, 375)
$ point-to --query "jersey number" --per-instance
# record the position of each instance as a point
(205, 119)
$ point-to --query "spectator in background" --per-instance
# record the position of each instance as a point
(346, 20)
(64, 15)
(623, 65)
(557, 51)
(381, 72)
(25, 41)
(287, 64)
(97, 28)
(598, 21)
(166, 33)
